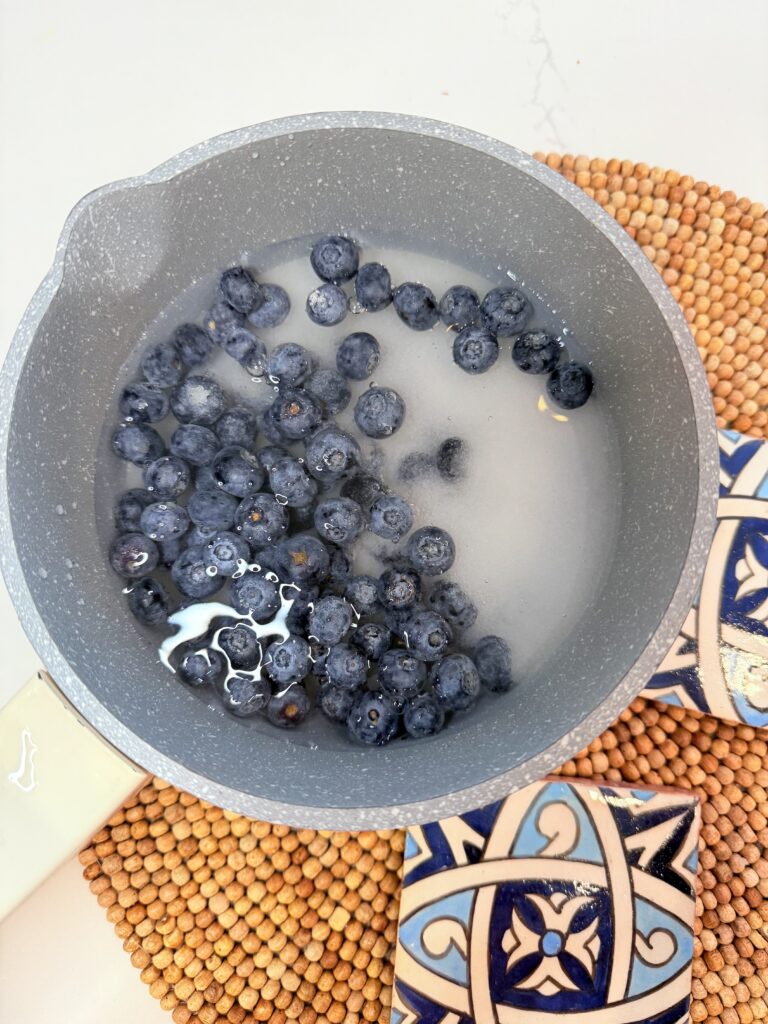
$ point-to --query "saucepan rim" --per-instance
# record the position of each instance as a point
(480, 793)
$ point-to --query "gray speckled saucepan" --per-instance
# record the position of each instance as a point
(127, 249)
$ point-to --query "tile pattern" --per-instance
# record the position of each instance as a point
(719, 662)
(565, 898)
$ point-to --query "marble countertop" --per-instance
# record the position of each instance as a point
(86, 97)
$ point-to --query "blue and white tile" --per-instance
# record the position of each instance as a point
(719, 662)
(565, 898)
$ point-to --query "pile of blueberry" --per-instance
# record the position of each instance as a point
(382, 654)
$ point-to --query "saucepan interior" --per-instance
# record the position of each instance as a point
(130, 250)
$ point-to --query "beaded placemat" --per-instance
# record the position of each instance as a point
(241, 921)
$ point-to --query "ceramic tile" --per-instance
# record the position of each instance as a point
(719, 662)
(565, 898)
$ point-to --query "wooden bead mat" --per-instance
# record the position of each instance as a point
(237, 921)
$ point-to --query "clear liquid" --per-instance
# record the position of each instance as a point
(534, 519)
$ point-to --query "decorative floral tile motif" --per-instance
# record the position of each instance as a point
(565, 898)
(719, 662)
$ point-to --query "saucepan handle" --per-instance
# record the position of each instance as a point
(59, 782)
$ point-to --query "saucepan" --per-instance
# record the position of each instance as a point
(126, 251)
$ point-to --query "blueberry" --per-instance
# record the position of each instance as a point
(397, 621)
(171, 549)
(391, 517)
(289, 707)
(364, 489)
(274, 308)
(536, 352)
(242, 695)
(450, 601)
(416, 306)
(143, 403)
(190, 574)
(221, 320)
(415, 466)
(267, 560)
(335, 702)
(237, 471)
(401, 674)
(161, 365)
(379, 412)
(423, 716)
(358, 356)
(138, 443)
(334, 258)
(331, 453)
(475, 349)
(289, 365)
(253, 594)
(204, 480)
(327, 305)
(268, 425)
(200, 667)
(149, 602)
(247, 350)
(373, 639)
(129, 507)
(198, 400)
(164, 520)
(298, 616)
(451, 458)
(192, 343)
(303, 559)
(287, 661)
(194, 444)
(319, 656)
(340, 568)
(198, 535)
(399, 589)
(431, 551)
(261, 520)
(241, 645)
(362, 592)
(373, 720)
(223, 552)
(270, 455)
(494, 663)
(254, 362)
(237, 426)
(290, 482)
(331, 619)
(339, 520)
(296, 413)
(346, 667)
(460, 307)
(167, 477)
(373, 287)
(133, 555)
(330, 389)
(214, 509)
(505, 311)
(239, 289)
(570, 385)
(455, 682)
(428, 635)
